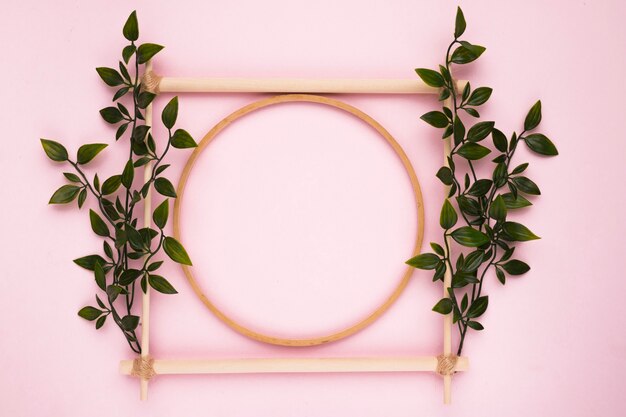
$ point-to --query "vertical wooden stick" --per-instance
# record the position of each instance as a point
(447, 281)
(145, 297)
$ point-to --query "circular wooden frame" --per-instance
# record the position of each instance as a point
(374, 315)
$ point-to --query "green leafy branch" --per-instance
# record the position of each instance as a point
(128, 250)
(484, 203)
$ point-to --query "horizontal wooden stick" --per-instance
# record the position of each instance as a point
(294, 365)
(294, 85)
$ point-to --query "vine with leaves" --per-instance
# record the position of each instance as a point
(483, 203)
(129, 251)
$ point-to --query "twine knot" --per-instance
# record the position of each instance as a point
(150, 82)
(446, 364)
(143, 367)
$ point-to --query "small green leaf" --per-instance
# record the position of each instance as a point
(436, 119)
(100, 322)
(499, 140)
(516, 267)
(130, 322)
(129, 276)
(72, 177)
(424, 261)
(182, 140)
(515, 203)
(533, 118)
(448, 216)
(160, 214)
(445, 175)
(518, 232)
(459, 130)
(468, 236)
(88, 152)
(176, 251)
(131, 27)
(89, 261)
(111, 115)
(170, 113)
(437, 248)
(127, 52)
(111, 184)
(100, 276)
(161, 284)
(473, 151)
(520, 168)
(459, 24)
(89, 313)
(66, 194)
(430, 77)
(128, 174)
(147, 51)
(110, 76)
(154, 266)
(526, 185)
(444, 306)
(98, 225)
(165, 187)
(54, 150)
(479, 96)
(475, 325)
(82, 196)
(479, 131)
(466, 53)
(497, 210)
(541, 144)
(480, 188)
(478, 307)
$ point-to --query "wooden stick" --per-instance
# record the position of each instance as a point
(447, 281)
(296, 85)
(293, 365)
(145, 296)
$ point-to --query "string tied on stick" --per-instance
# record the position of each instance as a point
(150, 82)
(446, 364)
(143, 367)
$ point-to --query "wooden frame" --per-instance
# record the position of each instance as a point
(158, 84)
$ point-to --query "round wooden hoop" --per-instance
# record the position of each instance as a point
(416, 192)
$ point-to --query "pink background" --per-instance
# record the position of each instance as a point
(332, 209)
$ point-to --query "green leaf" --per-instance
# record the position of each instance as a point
(499, 140)
(436, 119)
(154, 266)
(501, 276)
(89, 313)
(437, 248)
(478, 307)
(518, 232)
(147, 51)
(130, 322)
(111, 115)
(526, 185)
(497, 210)
(466, 53)
(533, 118)
(82, 196)
(127, 52)
(468, 236)
(459, 130)
(181, 139)
(176, 251)
(111, 184)
(444, 306)
(66, 194)
(161, 213)
(475, 325)
(100, 322)
(459, 24)
(480, 131)
(89, 261)
(161, 284)
(430, 77)
(515, 267)
(480, 188)
(131, 27)
(113, 291)
(515, 203)
(72, 177)
(520, 168)
(541, 144)
(473, 261)
(54, 150)
(448, 216)
(479, 96)
(170, 113)
(100, 276)
(165, 187)
(424, 261)
(98, 225)
(473, 151)
(110, 76)
(129, 276)
(445, 175)
(88, 152)
(128, 174)
(144, 99)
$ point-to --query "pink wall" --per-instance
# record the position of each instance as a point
(554, 339)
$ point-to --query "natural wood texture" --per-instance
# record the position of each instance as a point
(293, 365)
(447, 281)
(378, 311)
(295, 85)
(145, 296)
